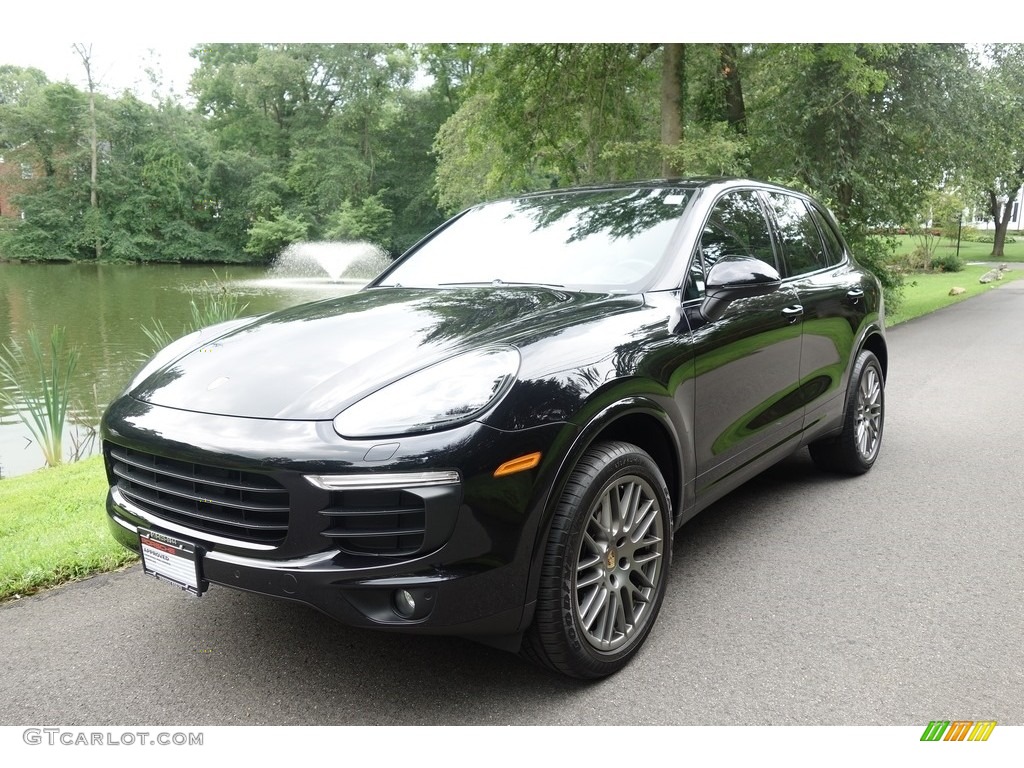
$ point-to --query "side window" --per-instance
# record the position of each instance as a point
(833, 247)
(695, 280)
(801, 243)
(736, 227)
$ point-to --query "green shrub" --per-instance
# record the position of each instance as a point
(268, 237)
(974, 235)
(947, 262)
(877, 254)
(916, 260)
(369, 220)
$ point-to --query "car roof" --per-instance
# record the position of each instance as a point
(691, 182)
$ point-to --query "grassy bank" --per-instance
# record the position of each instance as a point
(924, 293)
(53, 528)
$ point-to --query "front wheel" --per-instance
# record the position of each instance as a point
(854, 451)
(605, 566)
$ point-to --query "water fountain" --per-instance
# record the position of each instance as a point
(345, 262)
(314, 269)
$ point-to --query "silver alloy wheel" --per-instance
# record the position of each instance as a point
(619, 564)
(869, 413)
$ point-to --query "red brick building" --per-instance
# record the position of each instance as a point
(16, 174)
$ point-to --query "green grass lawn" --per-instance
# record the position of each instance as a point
(1014, 251)
(924, 293)
(53, 528)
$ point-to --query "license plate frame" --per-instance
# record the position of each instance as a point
(171, 559)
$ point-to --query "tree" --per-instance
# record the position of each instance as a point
(552, 115)
(85, 54)
(857, 124)
(47, 125)
(50, 120)
(292, 140)
(300, 131)
(369, 220)
(735, 109)
(18, 84)
(543, 115)
(992, 119)
(452, 66)
(150, 181)
(673, 81)
(158, 202)
(269, 235)
(404, 178)
(869, 128)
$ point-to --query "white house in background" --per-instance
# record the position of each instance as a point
(982, 218)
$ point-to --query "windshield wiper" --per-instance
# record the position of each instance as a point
(498, 282)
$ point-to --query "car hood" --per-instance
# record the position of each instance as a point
(311, 361)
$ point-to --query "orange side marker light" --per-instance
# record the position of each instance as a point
(523, 463)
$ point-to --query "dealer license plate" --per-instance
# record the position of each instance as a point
(171, 559)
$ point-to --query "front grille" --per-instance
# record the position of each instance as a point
(226, 502)
(376, 522)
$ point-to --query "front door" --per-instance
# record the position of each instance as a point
(746, 396)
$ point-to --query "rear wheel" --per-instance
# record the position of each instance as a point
(606, 564)
(855, 449)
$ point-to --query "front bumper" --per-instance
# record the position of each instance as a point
(468, 571)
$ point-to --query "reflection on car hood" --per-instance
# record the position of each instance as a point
(311, 361)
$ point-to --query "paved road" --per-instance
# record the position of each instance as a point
(890, 599)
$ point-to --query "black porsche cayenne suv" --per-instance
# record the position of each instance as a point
(499, 435)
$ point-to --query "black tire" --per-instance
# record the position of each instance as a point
(605, 565)
(855, 449)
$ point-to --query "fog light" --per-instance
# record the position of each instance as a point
(405, 605)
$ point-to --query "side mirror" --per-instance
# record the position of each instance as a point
(737, 277)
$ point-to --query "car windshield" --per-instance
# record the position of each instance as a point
(605, 240)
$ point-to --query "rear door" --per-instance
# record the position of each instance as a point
(829, 289)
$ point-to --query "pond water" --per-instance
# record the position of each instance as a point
(103, 308)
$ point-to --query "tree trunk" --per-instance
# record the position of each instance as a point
(86, 55)
(94, 202)
(735, 110)
(1001, 217)
(673, 76)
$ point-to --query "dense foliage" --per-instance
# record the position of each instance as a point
(372, 141)
(285, 142)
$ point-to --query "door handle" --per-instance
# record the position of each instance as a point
(855, 294)
(793, 313)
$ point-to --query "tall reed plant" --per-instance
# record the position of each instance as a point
(215, 305)
(36, 385)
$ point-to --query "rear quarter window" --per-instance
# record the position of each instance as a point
(801, 242)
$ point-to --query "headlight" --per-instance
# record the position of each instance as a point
(451, 392)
